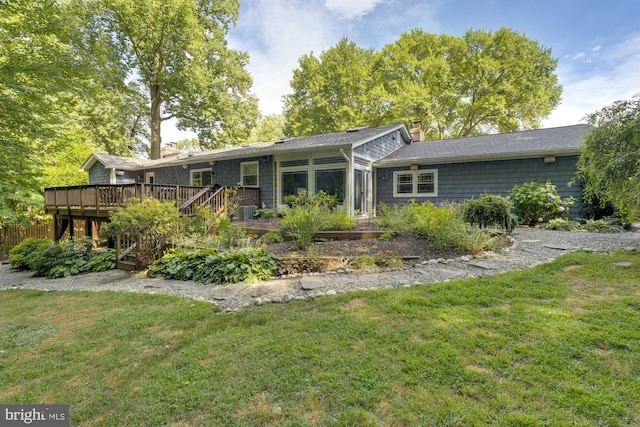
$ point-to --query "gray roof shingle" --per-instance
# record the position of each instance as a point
(352, 138)
(565, 140)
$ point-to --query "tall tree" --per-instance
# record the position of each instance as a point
(177, 50)
(37, 72)
(609, 165)
(458, 86)
(330, 92)
(268, 128)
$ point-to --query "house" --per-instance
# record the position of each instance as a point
(461, 168)
(339, 163)
(362, 167)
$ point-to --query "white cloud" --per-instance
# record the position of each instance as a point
(276, 33)
(615, 78)
(597, 48)
(349, 9)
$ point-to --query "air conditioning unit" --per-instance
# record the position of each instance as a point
(245, 213)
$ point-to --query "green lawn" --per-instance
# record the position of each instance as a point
(555, 345)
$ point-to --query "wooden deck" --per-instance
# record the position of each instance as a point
(94, 203)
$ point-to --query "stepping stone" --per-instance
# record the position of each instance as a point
(309, 284)
(560, 247)
(484, 265)
(229, 291)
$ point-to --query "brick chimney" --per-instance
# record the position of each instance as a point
(416, 132)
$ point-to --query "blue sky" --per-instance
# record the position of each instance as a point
(597, 43)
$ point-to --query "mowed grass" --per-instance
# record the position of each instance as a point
(555, 345)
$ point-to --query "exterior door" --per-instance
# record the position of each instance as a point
(362, 192)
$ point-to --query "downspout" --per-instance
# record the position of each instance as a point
(349, 182)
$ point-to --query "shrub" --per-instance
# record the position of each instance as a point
(397, 217)
(365, 263)
(228, 235)
(22, 255)
(321, 199)
(200, 223)
(302, 223)
(272, 235)
(101, 261)
(474, 241)
(152, 224)
(604, 225)
(212, 267)
(338, 219)
(535, 203)
(439, 225)
(562, 224)
(62, 259)
(489, 210)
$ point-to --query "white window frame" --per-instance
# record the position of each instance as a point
(242, 175)
(414, 183)
(311, 169)
(193, 171)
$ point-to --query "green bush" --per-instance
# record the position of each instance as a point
(338, 219)
(101, 261)
(303, 222)
(152, 224)
(210, 266)
(55, 260)
(22, 255)
(229, 235)
(321, 199)
(535, 203)
(604, 225)
(65, 255)
(273, 235)
(562, 224)
(489, 210)
(180, 264)
(400, 218)
(199, 224)
(441, 226)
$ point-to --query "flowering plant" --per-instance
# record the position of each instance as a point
(535, 203)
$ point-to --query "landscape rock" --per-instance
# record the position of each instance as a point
(531, 247)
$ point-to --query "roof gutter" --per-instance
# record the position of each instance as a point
(467, 159)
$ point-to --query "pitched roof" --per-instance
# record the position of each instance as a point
(352, 138)
(514, 145)
(114, 162)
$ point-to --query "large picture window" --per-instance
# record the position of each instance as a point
(332, 182)
(201, 177)
(294, 183)
(415, 183)
(249, 174)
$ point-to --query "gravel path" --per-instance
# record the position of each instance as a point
(530, 247)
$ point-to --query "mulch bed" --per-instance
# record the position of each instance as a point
(409, 245)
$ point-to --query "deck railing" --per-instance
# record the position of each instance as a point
(99, 200)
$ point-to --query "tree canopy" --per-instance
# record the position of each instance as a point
(37, 73)
(457, 86)
(177, 52)
(609, 165)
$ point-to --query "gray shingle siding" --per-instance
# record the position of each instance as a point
(380, 147)
(227, 173)
(99, 174)
(461, 181)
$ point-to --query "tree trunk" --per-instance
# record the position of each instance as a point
(156, 120)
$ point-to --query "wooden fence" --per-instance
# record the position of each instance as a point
(42, 230)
